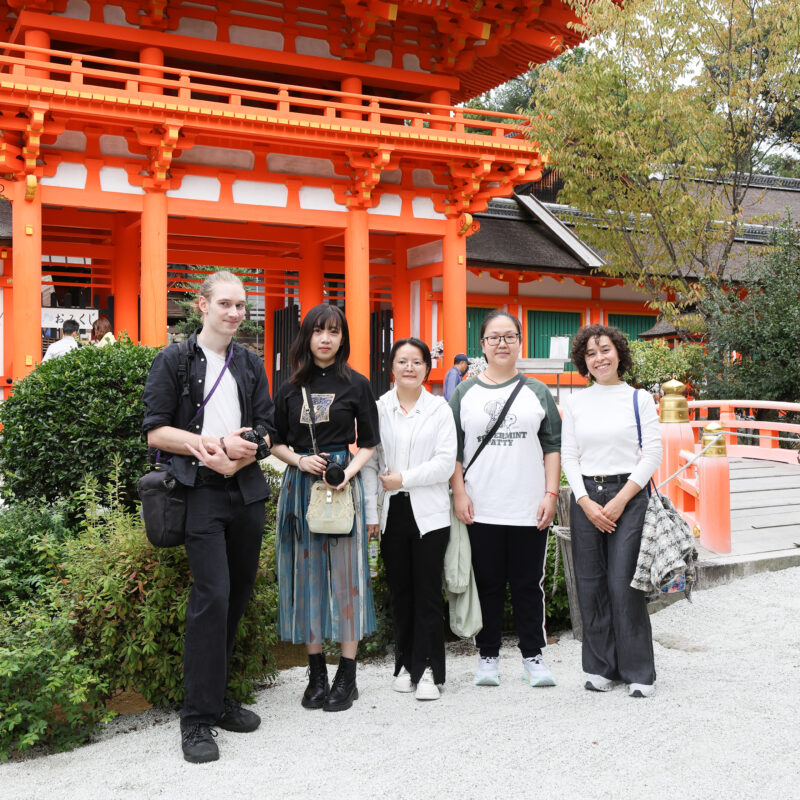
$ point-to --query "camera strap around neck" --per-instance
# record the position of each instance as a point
(498, 422)
(307, 405)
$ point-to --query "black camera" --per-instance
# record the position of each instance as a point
(256, 436)
(334, 473)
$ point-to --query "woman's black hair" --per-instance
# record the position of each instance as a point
(618, 339)
(321, 316)
(420, 345)
(492, 315)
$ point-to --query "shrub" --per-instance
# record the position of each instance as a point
(70, 416)
(49, 695)
(655, 362)
(129, 605)
(32, 539)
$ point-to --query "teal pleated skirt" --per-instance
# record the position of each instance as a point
(324, 585)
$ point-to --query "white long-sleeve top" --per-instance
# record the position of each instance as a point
(598, 436)
(422, 448)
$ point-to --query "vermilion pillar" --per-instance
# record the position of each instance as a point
(356, 286)
(454, 292)
(154, 56)
(154, 268)
(27, 289)
(401, 291)
(312, 275)
(125, 276)
(38, 39)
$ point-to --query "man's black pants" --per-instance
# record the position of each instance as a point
(223, 542)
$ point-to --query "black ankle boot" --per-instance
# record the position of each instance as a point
(344, 689)
(317, 690)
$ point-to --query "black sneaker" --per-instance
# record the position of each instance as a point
(198, 743)
(237, 719)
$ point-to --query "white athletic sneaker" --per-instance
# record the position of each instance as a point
(488, 672)
(402, 683)
(426, 688)
(597, 683)
(536, 672)
(641, 689)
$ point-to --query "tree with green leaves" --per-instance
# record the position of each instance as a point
(753, 334)
(658, 132)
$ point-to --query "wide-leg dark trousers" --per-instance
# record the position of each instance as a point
(515, 555)
(617, 638)
(223, 542)
(414, 567)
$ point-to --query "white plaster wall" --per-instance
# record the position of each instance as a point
(68, 176)
(394, 176)
(423, 209)
(383, 58)
(424, 178)
(260, 193)
(115, 15)
(390, 205)
(115, 179)
(72, 141)
(76, 9)
(302, 165)
(255, 37)
(227, 157)
(116, 146)
(197, 187)
(319, 198)
(485, 284)
(196, 28)
(308, 46)
(548, 287)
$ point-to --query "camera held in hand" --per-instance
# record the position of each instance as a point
(256, 436)
(334, 473)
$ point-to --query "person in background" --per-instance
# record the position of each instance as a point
(411, 470)
(66, 343)
(455, 374)
(101, 332)
(607, 475)
(508, 498)
(324, 587)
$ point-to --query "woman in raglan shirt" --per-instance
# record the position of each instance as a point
(508, 497)
(607, 474)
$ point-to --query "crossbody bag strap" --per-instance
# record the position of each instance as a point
(498, 421)
(651, 486)
(183, 373)
(311, 424)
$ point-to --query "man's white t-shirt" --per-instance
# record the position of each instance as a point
(59, 348)
(223, 413)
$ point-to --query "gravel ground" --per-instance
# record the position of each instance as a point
(723, 724)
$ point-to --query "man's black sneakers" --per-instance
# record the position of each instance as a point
(237, 719)
(198, 743)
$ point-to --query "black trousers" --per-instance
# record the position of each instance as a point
(512, 554)
(414, 567)
(223, 542)
(617, 638)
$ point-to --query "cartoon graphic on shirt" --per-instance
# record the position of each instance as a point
(505, 435)
(322, 406)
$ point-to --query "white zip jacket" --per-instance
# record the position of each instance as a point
(432, 454)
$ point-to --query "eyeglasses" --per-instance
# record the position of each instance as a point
(402, 363)
(508, 338)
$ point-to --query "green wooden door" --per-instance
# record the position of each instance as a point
(544, 324)
(632, 324)
(474, 319)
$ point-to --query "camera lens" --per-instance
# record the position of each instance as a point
(334, 473)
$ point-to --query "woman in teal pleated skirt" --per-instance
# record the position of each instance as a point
(324, 587)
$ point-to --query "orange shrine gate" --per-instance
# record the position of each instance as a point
(312, 144)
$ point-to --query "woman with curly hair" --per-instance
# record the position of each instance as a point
(608, 474)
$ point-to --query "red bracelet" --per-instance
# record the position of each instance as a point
(555, 494)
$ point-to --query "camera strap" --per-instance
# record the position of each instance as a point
(309, 409)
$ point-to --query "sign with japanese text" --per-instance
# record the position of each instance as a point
(56, 317)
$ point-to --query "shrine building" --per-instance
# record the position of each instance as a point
(316, 148)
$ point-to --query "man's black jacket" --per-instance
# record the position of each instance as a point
(168, 402)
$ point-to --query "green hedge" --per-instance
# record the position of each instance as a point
(71, 416)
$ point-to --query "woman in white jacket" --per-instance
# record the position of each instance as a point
(410, 471)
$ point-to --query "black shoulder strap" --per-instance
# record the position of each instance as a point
(498, 422)
(183, 367)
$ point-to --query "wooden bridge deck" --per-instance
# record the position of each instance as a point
(765, 510)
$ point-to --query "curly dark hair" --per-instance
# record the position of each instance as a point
(618, 339)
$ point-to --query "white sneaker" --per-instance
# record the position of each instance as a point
(426, 688)
(641, 689)
(402, 683)
(536, 672)
(488, 672)
(597, 683)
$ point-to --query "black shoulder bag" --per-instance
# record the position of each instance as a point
(163, 496)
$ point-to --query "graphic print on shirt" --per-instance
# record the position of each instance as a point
(322, 407)
(505, 436)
